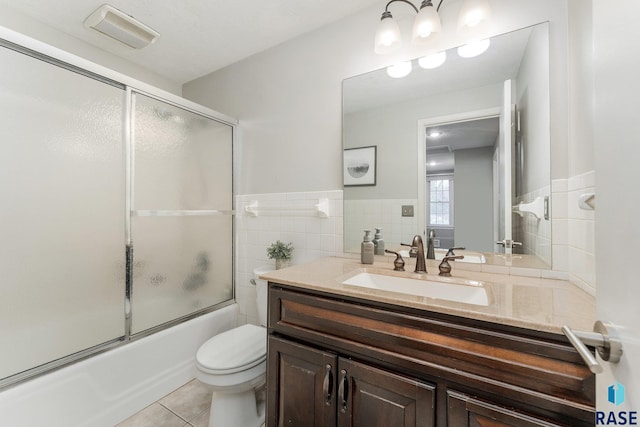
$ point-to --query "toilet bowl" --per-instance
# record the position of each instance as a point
(233, 364)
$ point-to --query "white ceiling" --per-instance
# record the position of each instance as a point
(464, 135)
(196, 36)
(458, 136)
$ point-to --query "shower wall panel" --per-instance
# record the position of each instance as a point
(62, 218)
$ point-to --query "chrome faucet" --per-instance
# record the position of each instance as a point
(421, 264)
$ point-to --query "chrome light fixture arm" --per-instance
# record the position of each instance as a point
(388, 37)
(386, 8)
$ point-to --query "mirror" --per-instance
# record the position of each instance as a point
(462, 149)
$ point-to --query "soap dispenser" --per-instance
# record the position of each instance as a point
(367, 248)
(378, 243)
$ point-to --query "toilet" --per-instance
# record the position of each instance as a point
(234, 364)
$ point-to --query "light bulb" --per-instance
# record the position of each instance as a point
(399, 70)
(388, 36)
(474, 48)
(426, 23)
(433, 61)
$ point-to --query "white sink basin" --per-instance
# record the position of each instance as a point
(470, 292)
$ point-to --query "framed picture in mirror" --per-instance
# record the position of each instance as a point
(359, 166)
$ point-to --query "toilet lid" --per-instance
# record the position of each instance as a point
(233, 351)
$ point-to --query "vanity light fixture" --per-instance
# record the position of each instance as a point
(388, 36)
(399, 70)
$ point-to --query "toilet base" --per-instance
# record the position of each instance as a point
(235, 409)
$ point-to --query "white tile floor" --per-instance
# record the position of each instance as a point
(188, 406)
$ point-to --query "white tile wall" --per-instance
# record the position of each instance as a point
(386, 213)
(559, 215)
(535, 232)
(289, 217)
(573, 230)
(581, 233)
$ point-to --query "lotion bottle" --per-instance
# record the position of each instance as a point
(378, 243)
(366, 248)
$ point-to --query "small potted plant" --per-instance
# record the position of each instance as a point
(281, 252)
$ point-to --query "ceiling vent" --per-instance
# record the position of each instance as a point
(119, 26)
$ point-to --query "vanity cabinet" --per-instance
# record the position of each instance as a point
(318, 388)
(463, 411)
(345, 361)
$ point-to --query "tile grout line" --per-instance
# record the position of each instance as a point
(173, 412)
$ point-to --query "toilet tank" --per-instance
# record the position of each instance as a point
(261, 292)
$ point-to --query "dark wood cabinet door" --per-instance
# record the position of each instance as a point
(466, 411)
(301, 385)
(371, 397)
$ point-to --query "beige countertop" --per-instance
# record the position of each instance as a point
(530, 302)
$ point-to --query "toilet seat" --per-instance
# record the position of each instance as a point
(233, 351)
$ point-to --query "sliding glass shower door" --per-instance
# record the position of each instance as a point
(182, 204)
(62, 224)
(117, 213)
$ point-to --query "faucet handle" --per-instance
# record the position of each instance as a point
(413, 252)
(398, 263)
(455, 248)
(445, 267)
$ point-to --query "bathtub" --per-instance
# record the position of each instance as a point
(105, 389)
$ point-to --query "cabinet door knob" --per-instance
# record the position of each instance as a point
(343, 391)
(327, 385)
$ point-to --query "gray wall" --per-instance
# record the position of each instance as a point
(581, 149)
(393, 130)
(532, 91)
(473, 198)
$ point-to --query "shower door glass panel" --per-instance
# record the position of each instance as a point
(181, 265)
(183, 161)
(182, 204)
(62, 219)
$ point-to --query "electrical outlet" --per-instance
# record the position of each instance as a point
(407, 210)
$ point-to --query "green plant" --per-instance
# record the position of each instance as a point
(279, 250)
